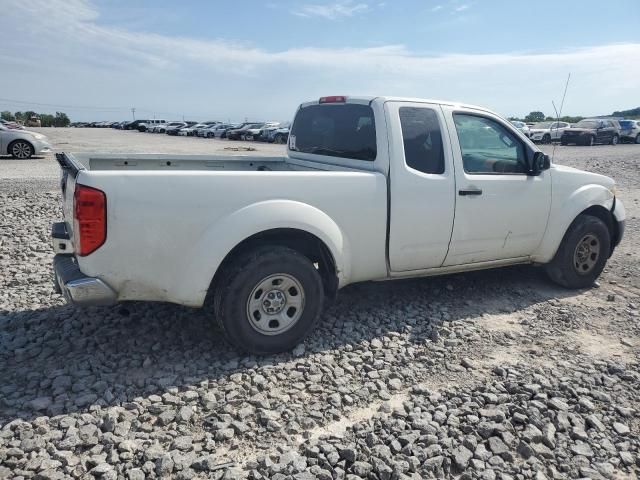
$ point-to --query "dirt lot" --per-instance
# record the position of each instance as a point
(493, 375)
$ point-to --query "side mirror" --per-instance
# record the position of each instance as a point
(539, 163)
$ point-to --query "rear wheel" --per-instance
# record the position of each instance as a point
(279, 139)
(582, 254)
(21, 149)
(268, 300)
(614, 140)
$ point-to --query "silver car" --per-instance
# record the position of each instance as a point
(630, 131)
(547, 132)
(22, 144)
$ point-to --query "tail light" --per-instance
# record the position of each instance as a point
(89, 219)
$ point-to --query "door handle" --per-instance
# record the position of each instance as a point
(470, 192)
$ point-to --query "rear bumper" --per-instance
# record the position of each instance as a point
(69, 281)
(78, 288)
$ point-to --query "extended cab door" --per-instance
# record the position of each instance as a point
(422, 186)
(501, 212)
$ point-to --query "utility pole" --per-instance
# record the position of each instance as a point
(133, 112)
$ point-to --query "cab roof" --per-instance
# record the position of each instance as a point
(370, 99)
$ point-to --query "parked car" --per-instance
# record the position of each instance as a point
(214, 131)
(201, 131)
(630, 131)
(371, 188)
(162, 128)
(591, 131)
(190, 131)
(134, 124)
(174, 129)
(523, 127)
(275, 134)
(239, 133)
(11, 125)
(233, 126)
(22, 144)
(547, 132)
(256, 132)
(150, 124)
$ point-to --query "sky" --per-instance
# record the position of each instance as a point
(228, 60)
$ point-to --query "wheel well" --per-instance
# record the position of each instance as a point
(605, 215)
(303, 242)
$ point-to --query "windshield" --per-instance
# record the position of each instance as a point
(587, 124)
(542, 125)
(518, 124)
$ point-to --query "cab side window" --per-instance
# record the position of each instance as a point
(488, 147)
(422, 139)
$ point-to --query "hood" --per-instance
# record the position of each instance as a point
(579, 130)
(580, 177)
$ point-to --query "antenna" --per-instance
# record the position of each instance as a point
(559, 114)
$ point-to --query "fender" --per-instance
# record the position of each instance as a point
(562, 214)
(192, 282)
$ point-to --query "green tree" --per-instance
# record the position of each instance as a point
(19, 116)
(28, 114)
(61, 120)
(534, 117)
(7, 115)
(47, 120)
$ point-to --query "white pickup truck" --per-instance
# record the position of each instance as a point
(371, 188)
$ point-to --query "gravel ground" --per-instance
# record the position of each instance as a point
(493, 375)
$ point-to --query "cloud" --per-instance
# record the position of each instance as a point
(437, 8)
(82, 62)
(331, 11)
(462, 8)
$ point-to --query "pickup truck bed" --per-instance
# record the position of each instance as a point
(167, 162)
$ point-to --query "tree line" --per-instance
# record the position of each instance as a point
(536, 117)
(60, 119)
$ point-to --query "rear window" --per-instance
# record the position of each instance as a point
(337, 130)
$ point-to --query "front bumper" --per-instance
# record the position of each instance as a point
(69, 281)
(41, 146)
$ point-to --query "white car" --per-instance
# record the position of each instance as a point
(523, 127)
(371, 188)
(149, 124)
(191, 131)
(547, 132)
(22, 143)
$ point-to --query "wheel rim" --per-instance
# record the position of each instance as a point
(276, 304)
(21, 150)
(614, 140)
(586, 254)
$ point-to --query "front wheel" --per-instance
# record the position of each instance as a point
(614, 140)
(582, 254)
(21, 149)
(268, 300)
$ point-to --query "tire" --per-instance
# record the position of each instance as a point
(582, 254)
(614, 140)
(591, 141)
(244, 290)
(638, 139)
(279, 139)
(546, 139)
(563, 142)
(21, 149)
